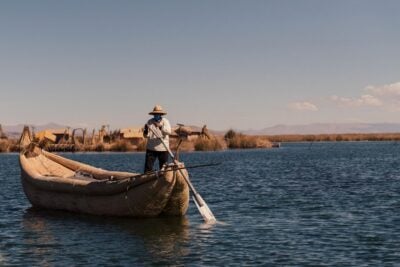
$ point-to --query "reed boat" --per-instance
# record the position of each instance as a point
(54, 182)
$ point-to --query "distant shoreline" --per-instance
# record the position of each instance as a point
(217, 142)
(195, 151)
(335, 137)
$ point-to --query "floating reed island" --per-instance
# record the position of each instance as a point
(183, 138)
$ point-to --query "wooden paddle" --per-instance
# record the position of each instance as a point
(201, 205)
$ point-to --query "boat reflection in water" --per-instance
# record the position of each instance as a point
(54, 236)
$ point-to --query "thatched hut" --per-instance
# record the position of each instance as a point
(132, 134)
(54, 136)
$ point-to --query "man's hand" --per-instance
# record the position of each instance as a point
(157, 124)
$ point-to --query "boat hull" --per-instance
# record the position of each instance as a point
(145, 196)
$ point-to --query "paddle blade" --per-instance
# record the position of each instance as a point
(205, 211)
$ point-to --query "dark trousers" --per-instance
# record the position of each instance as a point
(152, 156)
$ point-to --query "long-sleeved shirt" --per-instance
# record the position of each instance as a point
(153, 142)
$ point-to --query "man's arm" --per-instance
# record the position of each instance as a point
(166, 127)
(145, 130)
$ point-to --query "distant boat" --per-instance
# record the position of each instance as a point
(54, 182)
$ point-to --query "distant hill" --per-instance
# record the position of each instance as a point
(328, 128)
(19, 127)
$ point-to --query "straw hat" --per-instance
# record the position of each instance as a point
(158, 110)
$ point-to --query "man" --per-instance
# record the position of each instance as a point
(160, 128)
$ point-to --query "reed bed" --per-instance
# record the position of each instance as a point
(231, 140)
(213, 144)
(185, 145)
(238, 140)
(4, 144)
(8, 145)
(122, 146)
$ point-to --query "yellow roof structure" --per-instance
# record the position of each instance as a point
(46, 134)
(132, 132)
(51, 134)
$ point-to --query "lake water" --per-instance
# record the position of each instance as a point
(333, 204)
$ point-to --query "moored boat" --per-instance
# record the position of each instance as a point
(54, 182)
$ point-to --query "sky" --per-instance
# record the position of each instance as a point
(228, 64)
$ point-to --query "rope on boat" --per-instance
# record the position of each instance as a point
(175, 168)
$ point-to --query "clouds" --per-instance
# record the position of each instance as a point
(303, 106)
(385, 90)
(363, 100)
(386, 97)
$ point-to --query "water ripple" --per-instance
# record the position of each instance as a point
(300, 205)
